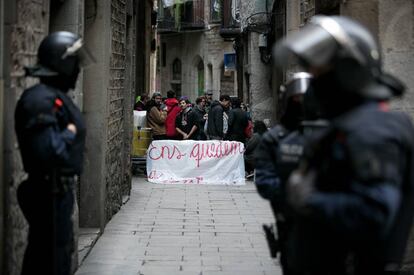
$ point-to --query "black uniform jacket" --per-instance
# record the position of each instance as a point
(41, 118)
(363, 203)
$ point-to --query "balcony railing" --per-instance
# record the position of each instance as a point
(180, 15)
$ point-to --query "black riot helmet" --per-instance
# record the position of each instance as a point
(297, 85)
(344, 58)
(60, 56)
(292, 100)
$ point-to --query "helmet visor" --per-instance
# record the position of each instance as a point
(86, 58)
(78, 49)
(312, 46)
(297, 86)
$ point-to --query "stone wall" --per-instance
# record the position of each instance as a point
(246, 9)
(260, 74)
(392, 22)
(116, 116)
(396, 33)
(108, 114)
(108, 85)
(129, 96)
(26, 23)
(261, 95)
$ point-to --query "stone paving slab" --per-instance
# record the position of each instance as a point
(86, 239)
(185, 229)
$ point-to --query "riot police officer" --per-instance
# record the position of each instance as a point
(51, 136)
(278, 155)
(353, 193)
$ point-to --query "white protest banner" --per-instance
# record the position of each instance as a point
(195, 162)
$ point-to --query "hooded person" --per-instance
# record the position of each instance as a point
(173, 109)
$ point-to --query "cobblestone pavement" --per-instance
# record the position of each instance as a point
(185, 229)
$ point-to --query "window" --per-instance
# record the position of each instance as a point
(176, 69)
(215, 10)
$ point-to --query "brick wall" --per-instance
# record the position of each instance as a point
(116, 95)
(22, 37)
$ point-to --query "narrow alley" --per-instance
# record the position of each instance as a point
(195, 96)
(185, 229)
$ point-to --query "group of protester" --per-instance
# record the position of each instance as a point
(206, 119)
(225, 119)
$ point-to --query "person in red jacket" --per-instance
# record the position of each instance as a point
(173, 109)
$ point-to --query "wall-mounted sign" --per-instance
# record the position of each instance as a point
(230, 61)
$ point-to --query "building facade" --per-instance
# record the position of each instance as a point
(250, 25)
(191, 51)
(105, 93)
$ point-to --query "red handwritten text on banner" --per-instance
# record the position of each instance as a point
(197, 162)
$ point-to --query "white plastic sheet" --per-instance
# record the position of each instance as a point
(196, 162)
(140, 119)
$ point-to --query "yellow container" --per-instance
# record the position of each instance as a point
(140, 142)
